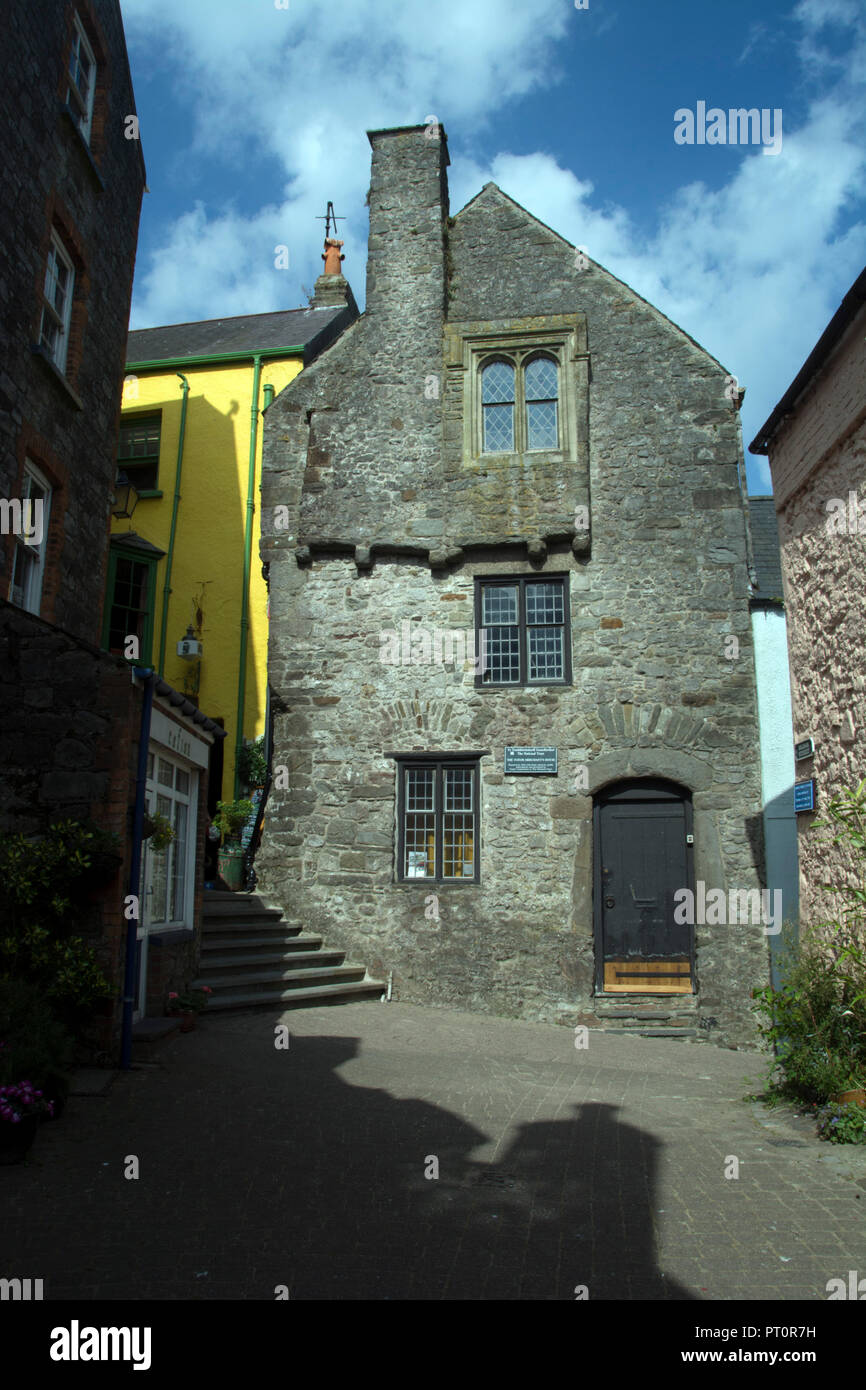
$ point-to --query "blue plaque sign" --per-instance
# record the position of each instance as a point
(531, 760)
(804, 795)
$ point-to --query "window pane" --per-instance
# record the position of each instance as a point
(458, 847)
(497, 384)
(498, 428)
(420, 791)
(420, 847)
(545, 653)
(181, 781)
(178, 871)
(541, 425)
(499, 605)
(503, 654)
(165, 774)
(458, 788)
(541, 380)
(544, 603)
(139, 439)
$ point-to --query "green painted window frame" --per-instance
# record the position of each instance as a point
(141, 464)
(122, 552)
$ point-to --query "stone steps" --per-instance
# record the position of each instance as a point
(649, 1015)
(251, 957)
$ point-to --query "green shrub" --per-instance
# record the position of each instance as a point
(842, 1124)
(35, 1045)
(45, 883)
(816, 1021)
(252, 763)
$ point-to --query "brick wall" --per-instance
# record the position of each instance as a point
(823, 567)
(91, 197)
(832, 408)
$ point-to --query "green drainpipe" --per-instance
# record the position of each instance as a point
(248, 546)
(167, 588)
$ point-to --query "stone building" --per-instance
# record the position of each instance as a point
(511, 656)
(816, 442)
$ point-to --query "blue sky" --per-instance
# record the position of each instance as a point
(252, 117)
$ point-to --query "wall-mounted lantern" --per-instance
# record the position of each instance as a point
(125, 497)
(189, 647)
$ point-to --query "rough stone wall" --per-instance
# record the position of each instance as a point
(653, 605)
(66, 423)
(823, 566)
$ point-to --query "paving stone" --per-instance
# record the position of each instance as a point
(306, 1167)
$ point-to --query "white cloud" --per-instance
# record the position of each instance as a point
(753, 269)
(303, 85)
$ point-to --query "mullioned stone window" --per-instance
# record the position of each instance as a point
(525, 386)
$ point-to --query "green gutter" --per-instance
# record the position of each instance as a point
(167, 588)
(216, 357)
(248, 546)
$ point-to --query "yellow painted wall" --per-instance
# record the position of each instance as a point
(209, 537)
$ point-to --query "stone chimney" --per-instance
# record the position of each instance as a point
(408, 214)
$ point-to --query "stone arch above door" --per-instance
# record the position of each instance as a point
(629, 764)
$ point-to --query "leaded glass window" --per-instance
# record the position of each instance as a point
(497, 400)
(438, 821)
(523, 622)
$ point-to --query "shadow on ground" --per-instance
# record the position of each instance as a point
(262, 1168)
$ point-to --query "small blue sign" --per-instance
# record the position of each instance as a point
(804, 795)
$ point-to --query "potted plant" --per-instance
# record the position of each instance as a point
(188, 1005)
(22, 1106)
(230, 819)
(158, 832)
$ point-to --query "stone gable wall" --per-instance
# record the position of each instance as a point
(658, 589)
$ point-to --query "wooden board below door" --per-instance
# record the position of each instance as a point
(647, 977)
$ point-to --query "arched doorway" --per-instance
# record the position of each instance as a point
(642, 856)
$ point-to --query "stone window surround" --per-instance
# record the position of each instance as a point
(470, 346)
(522, 579)
(437, 760)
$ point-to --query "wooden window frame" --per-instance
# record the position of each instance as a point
(137, 463)
(483, 581)
(36, 553)
(121, 552)
(59, 356)
(439, 763)
(84, 109)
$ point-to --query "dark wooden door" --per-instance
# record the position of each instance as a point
(641, 860)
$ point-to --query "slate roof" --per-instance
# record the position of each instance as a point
(310, 329)
(766, 549)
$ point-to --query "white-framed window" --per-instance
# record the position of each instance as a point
(57, 303)
(28, 564)
(170, 790)
(82, 79)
